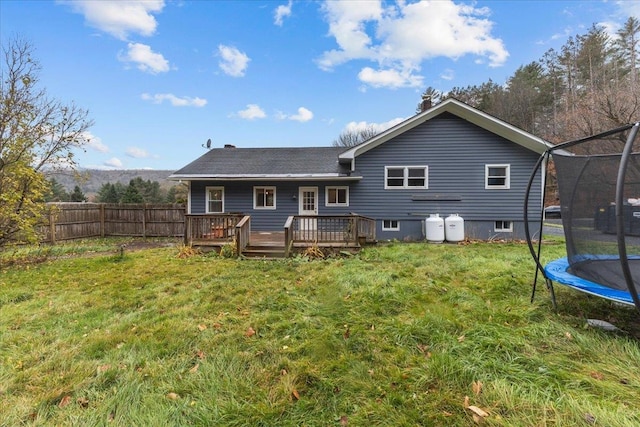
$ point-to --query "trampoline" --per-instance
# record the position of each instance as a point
(598, 180)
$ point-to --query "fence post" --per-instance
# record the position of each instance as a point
(187, 230)
(102, 220)
(52, 226)
(144, 220)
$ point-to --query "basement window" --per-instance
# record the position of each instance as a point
(504, 226)
(390, 225)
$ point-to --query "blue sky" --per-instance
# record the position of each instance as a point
(159, 78)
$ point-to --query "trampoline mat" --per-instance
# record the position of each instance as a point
(607, 272)
(601, 276)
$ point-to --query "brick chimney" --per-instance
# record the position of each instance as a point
(426, 103)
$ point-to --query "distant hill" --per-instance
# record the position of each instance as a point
(90, 180)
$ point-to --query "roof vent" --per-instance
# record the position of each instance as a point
(229, 146)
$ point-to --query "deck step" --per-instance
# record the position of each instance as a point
(263, 252)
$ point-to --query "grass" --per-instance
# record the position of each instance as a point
(401, 334)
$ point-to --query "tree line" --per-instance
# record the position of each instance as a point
(588, 86)
(138, 191)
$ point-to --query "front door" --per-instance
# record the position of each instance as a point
(308, 205)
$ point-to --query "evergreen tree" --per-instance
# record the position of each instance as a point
(628, 49)
(77, 195)
(56, 192)
(131, 194)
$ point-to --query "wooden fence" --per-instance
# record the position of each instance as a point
(66, 221)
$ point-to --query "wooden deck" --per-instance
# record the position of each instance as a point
(214, 231)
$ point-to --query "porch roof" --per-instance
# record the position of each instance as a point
(294, 163)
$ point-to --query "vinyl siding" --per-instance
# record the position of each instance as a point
(456, 153)
(454, 150)
(239, 198)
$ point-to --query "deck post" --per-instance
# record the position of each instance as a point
(287, 236)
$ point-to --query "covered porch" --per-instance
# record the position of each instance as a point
(299, 232)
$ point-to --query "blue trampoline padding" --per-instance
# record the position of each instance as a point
(557, 270)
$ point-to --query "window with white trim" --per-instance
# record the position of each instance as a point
(390, 225)
(336, 196)
(264, 197)
(406, 177)
(497, 177)
(215, 199)
(504, 226)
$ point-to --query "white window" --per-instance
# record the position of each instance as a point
(215, 199)
(504, 226)
(497, 177)
(390, 225)
(264, 197)
(405, 177)
(336, 196)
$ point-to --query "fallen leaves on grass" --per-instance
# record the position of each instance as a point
(83, 402)
(173, 396)
(250, 332)
(478, 413)
(64, 401)
(476, 386)
(202, 327)
(194, 369)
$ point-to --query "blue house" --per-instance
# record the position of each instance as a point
(448, 159)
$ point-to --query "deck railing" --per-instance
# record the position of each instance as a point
(210, 227)
(243, 234)
(351, 229)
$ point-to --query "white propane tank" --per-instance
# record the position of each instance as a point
(434, 229)
(454, 228)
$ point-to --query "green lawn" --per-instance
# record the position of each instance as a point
(402, 334)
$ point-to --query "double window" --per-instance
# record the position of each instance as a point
(336, 196)
(390, 225)
(406, 177)
(504, 226)
(264, 197)
(215, 200)
(497, 177)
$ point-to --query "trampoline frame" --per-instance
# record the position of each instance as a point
(558, 270)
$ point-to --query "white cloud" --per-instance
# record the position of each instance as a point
(390, 78)
(629, 8)
(447, 74)
(119, 18)
(146, 59)
(400, 37)
(281, 12)
(113, 162)
(95, 142)
(234, 63)
(356, 127)
(137, 153)
(252, 112)
(185, 101)
(304, 115)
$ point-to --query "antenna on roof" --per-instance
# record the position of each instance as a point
(207, 145)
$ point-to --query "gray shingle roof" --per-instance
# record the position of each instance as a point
(265, 162)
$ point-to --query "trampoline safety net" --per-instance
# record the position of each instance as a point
(587, 174)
